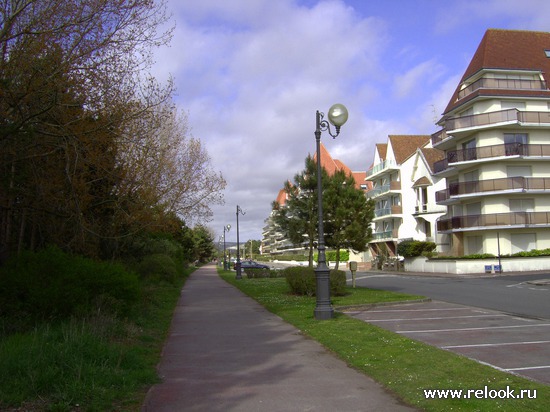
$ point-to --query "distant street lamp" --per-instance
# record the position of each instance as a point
(238, 264)
(337, 116)
(225, 229)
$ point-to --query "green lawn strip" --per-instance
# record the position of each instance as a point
(95, 364)
(406, 367)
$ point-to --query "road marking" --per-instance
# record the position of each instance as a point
(496, 344)
(528, 368)
(415, 310)
(444, 317)
(461, 329)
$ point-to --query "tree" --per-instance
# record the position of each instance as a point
(347, 215)
(252, 247)
(204, 243)
(70, 72)
(298, 219)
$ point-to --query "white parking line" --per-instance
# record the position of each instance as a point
(461, 329)
(418, 310)
(537, 342)
(444, 317)
(528, 368)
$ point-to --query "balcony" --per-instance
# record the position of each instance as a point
(427, 208)
(512, 219)
(487, 152)
(394, 210)
(519, 183)
(510, 84)
(390, 234)
(380, 167)
(491, 118)
(380, 190)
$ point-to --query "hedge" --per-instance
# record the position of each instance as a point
(302, 281)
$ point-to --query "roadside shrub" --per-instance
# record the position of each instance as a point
(51, 284)
(262, 273)
(413, 248)
(158, 267)
(331, 255)
(302, 281)
(337, 282)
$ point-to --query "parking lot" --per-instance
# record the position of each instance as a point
(513, 344)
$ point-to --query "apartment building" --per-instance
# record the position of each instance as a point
(403, 189)
(495, 133)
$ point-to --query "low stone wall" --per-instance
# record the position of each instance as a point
(465, 266)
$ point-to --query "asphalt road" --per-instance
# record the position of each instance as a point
(521, 295)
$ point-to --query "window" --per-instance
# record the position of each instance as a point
(472, 176)
(523, 242)
(473, 208)
(513, 143)
(474, 245)
(469, 150)
(522, 205)
(515, 138)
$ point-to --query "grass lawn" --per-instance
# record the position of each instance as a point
(404, 366)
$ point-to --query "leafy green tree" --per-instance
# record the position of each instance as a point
(298, 219)
(347, 215)
(204, 243)
(252, 245)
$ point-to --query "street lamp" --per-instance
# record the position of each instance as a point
(225, 229)
(337, 116)
(238, 264)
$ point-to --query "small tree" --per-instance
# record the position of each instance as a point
(298, 219)
(348, 215)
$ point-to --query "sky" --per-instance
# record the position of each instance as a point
(251, 74)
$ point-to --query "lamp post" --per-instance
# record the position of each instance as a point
(225, 229)
(238, 264)
(337, 116)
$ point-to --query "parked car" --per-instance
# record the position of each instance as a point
(250, 264)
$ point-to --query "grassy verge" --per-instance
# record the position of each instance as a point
(404, 366)
(100, 363)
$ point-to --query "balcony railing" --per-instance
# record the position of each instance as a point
(486, 152)
(426, 208)
(513, 84)
(390, 234)
(493, 185)
(386, 164)
(484, 119)
(523, 219)
(393, 210)
(394, 185)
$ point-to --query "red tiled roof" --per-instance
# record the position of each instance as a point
(332, 165)
(432, 156)
(404, 146)
(507, 49)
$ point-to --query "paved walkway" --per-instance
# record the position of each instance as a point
(225, 352)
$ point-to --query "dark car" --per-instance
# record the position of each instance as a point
(250, 264)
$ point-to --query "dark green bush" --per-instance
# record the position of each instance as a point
(262, 273)
(158, 267)
(413, 248)
(51, 284)
(302, 281)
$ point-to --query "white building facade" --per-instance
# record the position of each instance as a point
(495, 133)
